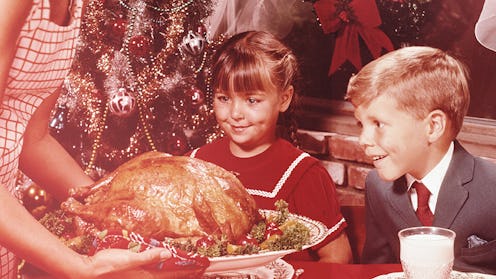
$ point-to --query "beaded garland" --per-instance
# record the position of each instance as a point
(136, 49)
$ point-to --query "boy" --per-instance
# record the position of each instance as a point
(410, 104)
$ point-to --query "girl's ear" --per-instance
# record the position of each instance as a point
(286, 96)
(438, 122)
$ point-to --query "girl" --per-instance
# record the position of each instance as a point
(253, 77)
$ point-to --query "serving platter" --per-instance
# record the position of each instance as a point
(453, 275)
(278, 269)
(318, 232)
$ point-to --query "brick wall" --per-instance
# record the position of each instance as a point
(345, 160)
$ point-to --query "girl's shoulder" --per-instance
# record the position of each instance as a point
(284, 148)
(217, 147)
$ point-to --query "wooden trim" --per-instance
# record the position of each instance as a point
(478, 135)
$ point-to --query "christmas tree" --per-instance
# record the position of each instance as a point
(139, 83)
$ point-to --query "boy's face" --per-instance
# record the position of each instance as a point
(395, 140)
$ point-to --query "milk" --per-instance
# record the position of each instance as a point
(426, 254)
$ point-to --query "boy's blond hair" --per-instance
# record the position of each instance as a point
(420, 79)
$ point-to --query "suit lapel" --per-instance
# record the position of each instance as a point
(399, 199)
(452, 195)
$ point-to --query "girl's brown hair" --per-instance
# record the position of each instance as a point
(257, 61)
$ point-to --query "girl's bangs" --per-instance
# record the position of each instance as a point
(243, 76)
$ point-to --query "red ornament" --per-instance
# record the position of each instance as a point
(140, 46)
(196, 96)
(35, 197)
(122, 103)
(118, 27)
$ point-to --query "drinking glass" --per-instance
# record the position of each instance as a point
(427, 252)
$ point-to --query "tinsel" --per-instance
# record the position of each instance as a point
(134, 46)
(403, 20)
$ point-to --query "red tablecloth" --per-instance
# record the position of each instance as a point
(313, 270)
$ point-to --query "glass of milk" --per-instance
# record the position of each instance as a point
(427, 252)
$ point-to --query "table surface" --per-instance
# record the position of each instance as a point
(353, 271)
(316, 270)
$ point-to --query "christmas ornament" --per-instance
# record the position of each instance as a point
(192, 44)
(118, 27)
(196, 96)
(59, 119)
(34, 197)
(140, 46)
(122, 103)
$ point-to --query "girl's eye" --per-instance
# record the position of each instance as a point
(222, 98)
(359, 124)
(252, 100)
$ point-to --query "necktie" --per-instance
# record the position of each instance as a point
(424, 213)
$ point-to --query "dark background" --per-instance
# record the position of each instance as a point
(445, 24)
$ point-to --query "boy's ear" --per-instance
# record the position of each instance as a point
(437, 125)
(286, 97)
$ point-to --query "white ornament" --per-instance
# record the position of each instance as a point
(122, 103)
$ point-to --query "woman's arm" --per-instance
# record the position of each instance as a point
(45, 161)
(12, 16)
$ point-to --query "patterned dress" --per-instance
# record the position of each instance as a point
(44, 55)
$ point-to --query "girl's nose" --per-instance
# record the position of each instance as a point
(237, 110)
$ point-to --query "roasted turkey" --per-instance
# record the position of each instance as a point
(161, 196)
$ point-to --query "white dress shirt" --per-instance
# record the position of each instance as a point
(432, 180)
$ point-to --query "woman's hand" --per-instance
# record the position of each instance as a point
(121, 263)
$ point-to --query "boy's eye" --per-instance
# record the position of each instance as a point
(359, 124)
(379, 124)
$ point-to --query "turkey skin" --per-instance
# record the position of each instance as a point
(161, 196)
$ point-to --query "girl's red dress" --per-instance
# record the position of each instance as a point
(284, 172)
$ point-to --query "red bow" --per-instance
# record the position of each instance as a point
(355, 17)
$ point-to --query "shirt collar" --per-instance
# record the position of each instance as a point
(434, 178)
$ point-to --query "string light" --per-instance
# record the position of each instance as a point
(154, 80)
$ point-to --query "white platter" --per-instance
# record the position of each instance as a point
(278, 269)
(318, 232)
